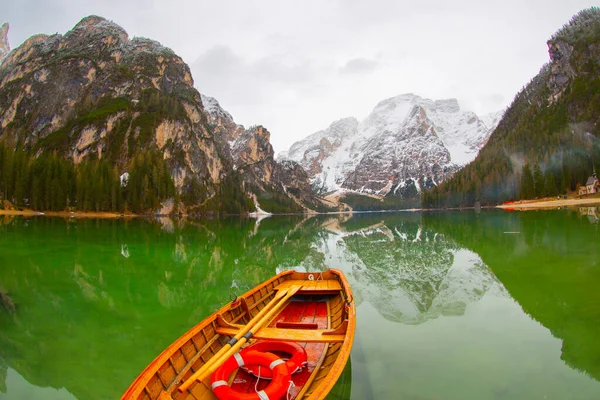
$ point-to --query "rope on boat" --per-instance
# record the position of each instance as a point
(263, 395)
(289, 394)
(311, 277)
(257, 379)
(349, 300)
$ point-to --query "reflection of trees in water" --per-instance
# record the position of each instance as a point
(82, 304)
(83, 301)
(105, 306)
(549, 262)
(3, 373)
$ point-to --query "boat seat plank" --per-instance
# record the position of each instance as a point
(297, 325)
(283, 334)
(311, 286)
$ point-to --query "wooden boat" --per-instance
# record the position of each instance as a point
(314, 310)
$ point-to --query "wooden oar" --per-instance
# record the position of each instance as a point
(241, 337)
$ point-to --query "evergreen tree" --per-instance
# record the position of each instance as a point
(539, 181)
(49, 182)
(527, 183)
(551, 184)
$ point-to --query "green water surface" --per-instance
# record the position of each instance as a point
(456, 305)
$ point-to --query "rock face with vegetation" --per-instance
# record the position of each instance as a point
(4, 46)
(277, 186)
(97, 105)
(255, 159)
(221, 121)
(95, 94)
(549, 137)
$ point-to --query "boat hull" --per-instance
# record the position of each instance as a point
(315, 310)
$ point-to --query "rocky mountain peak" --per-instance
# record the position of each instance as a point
(214, 109)
(343, 127)
(4, 46)
(90, 21)
(95, 32)
(334, 133)
(94, 93)
(221, 121)
(253, 146)
(311, 151)
(253, 157)
(405, 140)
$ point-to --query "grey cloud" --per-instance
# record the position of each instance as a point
(359, 66)
(271, 68)
(237, 80)
(492, 101)
(219, 60)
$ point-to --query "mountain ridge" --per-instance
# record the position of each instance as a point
(269, 180)
(106, 103)
(405, 140)
(548, 140)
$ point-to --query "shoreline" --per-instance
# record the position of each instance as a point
(535, 204)
(66, 214)
(519, 205)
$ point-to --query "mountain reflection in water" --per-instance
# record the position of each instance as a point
(551, 268)
(97, 300)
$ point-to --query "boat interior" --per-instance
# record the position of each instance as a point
(309, 309)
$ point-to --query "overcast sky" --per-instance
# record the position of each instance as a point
(296, 66)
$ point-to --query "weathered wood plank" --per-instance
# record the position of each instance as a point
(312, 286)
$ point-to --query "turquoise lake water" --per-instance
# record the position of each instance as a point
(457, 305)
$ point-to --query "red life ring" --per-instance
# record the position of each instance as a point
(295, 363)
(275, 390)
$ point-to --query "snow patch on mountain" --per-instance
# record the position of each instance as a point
(214, 109)
(406, 140)
(491, 120)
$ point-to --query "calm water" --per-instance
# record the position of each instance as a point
(494, 305)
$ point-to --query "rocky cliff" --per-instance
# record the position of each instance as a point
(407, 142)
(221, 121)
(4, 46)
(253, 156)
(94, 94)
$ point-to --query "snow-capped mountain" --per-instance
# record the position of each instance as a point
(407, 142)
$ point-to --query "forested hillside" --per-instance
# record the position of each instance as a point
(549, 137)
(52, 183)
(80, 111)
